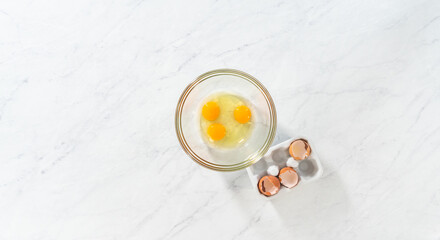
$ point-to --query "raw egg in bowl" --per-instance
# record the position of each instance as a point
(225, 120)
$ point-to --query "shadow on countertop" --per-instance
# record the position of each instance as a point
(319, 204)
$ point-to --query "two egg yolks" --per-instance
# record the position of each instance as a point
(217, 131)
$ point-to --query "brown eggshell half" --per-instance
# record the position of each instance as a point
(299, 149)
(269, 185)
(288, 177)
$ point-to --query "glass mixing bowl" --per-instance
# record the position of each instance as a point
(188, 114)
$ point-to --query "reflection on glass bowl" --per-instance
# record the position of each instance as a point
(187, 120)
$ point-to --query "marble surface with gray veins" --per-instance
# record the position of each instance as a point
(88, 91)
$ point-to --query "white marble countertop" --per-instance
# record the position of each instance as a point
(88, 91)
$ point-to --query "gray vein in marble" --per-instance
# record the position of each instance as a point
(181, 225)
(428, 24)
(88, 148)
(255, 218)
(8, 99)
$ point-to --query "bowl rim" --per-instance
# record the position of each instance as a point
(254, 157)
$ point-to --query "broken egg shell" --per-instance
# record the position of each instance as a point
(299, 149)
(269, 185)
(273, 170)
(292, 163)
(288, 177)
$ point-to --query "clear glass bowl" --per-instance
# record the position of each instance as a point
(188, 114)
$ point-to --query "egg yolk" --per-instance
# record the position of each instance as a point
(210, 111)
(216, 131)
(242, 114)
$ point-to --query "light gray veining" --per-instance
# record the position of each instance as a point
(88, 91)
